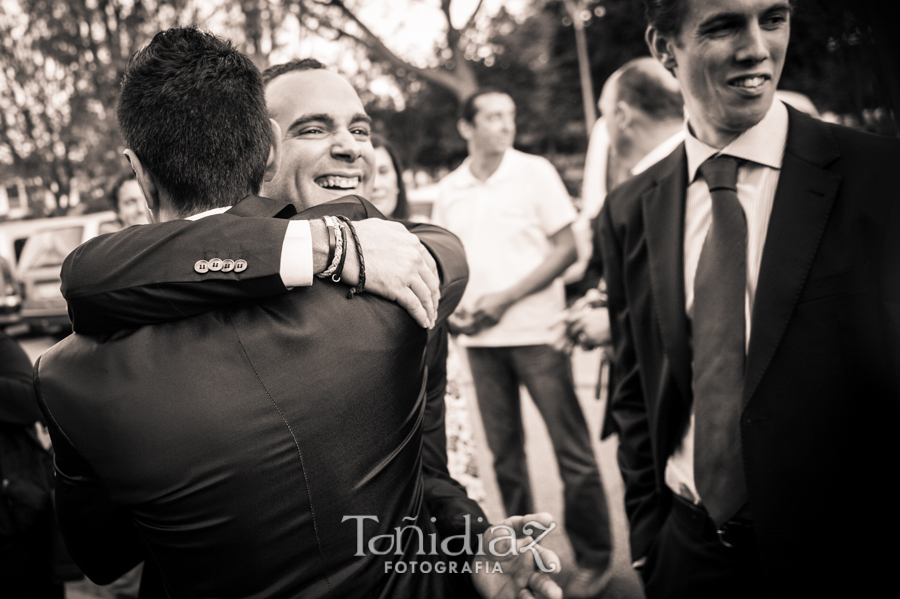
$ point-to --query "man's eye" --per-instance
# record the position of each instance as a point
(361, 131)
(310, 131)
(774, 21)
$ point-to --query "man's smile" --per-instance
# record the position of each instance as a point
(337, 182)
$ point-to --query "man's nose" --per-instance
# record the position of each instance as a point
(345, 146)
(753, 46)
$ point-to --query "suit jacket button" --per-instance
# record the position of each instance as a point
(201, 266)
(227, 265)
(240, 265)
(215, 264)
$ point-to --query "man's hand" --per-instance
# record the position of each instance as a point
(525, 568)
(462, 323)
(490, 308)
(398, 268)
(589, 327)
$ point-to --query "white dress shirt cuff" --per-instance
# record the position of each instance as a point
(297, 255)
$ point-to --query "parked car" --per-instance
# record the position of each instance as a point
(10, 298)
(43, 306)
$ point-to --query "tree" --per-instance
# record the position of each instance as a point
(452, 69)
(60, 63)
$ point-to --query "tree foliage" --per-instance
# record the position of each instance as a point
(61, 62)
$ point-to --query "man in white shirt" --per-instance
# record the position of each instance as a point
(513, 215)
(754, 298)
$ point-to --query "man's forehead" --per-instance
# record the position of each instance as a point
(311, 91)
(704, 9)
(494, 101)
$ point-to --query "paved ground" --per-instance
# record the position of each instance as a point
(542, 467)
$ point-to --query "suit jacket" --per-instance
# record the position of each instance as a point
(227, 448)
(820, 402)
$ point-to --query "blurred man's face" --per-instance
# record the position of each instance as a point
(326, 152)
(728, 58)
(493, 129)
(132, 209)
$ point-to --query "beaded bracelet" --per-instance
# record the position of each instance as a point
(361, 286)
(333, 226)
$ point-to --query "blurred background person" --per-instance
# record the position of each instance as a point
(447, 437)
(513, 214)
(389, 191)
(126, 199)
(641, 123)
(643, 118)
(33, 561)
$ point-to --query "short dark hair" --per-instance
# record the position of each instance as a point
(639, 84)
(192, 107)
(468, 110)
(665, 15)
(401, 212)
(300, 64)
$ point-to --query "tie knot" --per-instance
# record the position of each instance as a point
(720, 173)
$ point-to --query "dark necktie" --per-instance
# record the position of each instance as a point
(719, 342)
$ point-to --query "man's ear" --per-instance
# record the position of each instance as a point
(660, 45)
(465, 129)
(274, 152)
(624, 115)
(147, 183)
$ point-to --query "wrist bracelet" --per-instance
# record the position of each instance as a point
(361, 286)
(331, 243)
(335, 230)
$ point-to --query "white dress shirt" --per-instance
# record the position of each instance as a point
(762, 146)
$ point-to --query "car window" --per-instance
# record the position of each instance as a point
(49, 247)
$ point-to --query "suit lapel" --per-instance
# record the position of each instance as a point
(802, 204)
(663, 207)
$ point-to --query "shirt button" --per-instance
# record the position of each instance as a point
(201, 266)
(240, 265)
(227, 265)
(215, 264)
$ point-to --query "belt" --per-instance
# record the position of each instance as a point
(737, 533)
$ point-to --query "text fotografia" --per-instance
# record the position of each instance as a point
(502, 545)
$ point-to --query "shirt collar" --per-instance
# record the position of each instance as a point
(504, 170)
(208, 213)
(658, 153)
(763, 143)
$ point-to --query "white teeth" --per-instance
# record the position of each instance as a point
(332, 181)
(750, 82)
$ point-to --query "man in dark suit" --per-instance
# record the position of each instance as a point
(756, 323)
(255, 450)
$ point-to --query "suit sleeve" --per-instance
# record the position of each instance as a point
(445, 498)
(627, 404)
(98, 533)
(145, 275)
(453, 269)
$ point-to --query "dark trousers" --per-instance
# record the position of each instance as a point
(547, 374)
(688, 561)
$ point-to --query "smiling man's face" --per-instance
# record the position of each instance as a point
(326, 151)
(728, 58)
